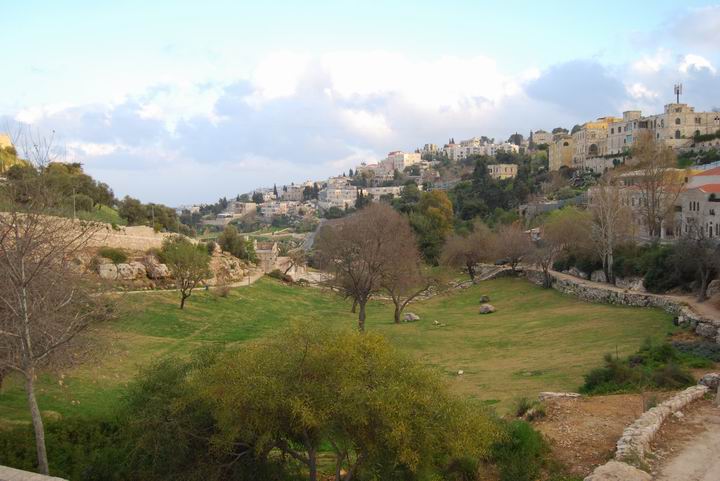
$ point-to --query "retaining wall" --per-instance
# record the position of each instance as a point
(595, 292)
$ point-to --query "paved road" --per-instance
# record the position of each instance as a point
(698, 458)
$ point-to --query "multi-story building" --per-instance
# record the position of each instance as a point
(430, 149)
(292, 192)
(398, 160)
(272, 209)
(700, 209)
(540, 137)
(340, 197)
(502, 171)
(477, 146)
(590, 141)
(561, 151)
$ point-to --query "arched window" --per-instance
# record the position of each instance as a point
(677, 134)
(677, 121)
(662, 123)
(565, 144)
(593, 149)
(697, 132)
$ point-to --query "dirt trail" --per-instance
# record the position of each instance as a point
(688, 448)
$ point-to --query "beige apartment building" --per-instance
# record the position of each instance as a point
(561, 150)
(398, 160)
(591, 140)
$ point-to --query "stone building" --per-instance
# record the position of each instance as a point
(267, 254)
(540, 137)
(590, 141)
(561, 150)
(700, 207)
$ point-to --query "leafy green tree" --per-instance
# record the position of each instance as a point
(257, 197)
(231, 241)
(379, 413)
(432, 221)
(189, 264)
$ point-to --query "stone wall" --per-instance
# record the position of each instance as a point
(11, 474)
(634, 444)
(134, 238)
(596, 292)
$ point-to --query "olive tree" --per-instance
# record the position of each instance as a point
(188, 263)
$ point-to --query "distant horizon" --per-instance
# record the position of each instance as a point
(173, 104)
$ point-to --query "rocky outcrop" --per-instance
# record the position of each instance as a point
(544, 396)
(618, 471)
(155, 270)
(411, 317)
(226, 269)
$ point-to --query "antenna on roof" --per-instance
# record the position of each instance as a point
(678, 92)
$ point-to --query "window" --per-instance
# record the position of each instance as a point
(677, 121)
(698, 120)
(677, 134)
(662, 123)
(612, 131)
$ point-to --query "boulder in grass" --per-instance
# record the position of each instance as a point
(487, 309)
(484, 299)
(411, 317)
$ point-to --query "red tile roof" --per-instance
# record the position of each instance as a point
(710, 188)
(714, 171)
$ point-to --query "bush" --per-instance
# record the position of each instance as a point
(652, 367)
(521, 456)
(211, 246)
(709, 351)
(529, 409)
(117, 256)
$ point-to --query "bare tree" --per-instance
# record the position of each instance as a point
(188, 264)
(611, 222)
(512, 244)
(659, 183)
(566, 229)
(296, 258)
(402, 276)
(358, 251)
(696, 251)
(468, 250)
(44, 300)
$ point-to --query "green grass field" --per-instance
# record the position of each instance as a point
(538, 340)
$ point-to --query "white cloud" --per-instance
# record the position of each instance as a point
(366, 123)
(695, 61)
(639, 91)
(650, 64)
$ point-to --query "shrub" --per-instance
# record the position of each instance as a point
(522, 454)
(657, 367)
(709, 351)
(117, 256)
(529, 409)
(211, 246)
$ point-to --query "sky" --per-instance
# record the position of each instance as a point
(185, 102)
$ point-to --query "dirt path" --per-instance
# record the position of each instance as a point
(688, 448)
(583, 432)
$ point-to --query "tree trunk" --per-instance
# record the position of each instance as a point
(611, 273)
(182, 300)
(471, 271)
(702, 295)
(547, 281)
(354, 306)
(312, 465)
(37, 423)
(361, 316)
(398, 311)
